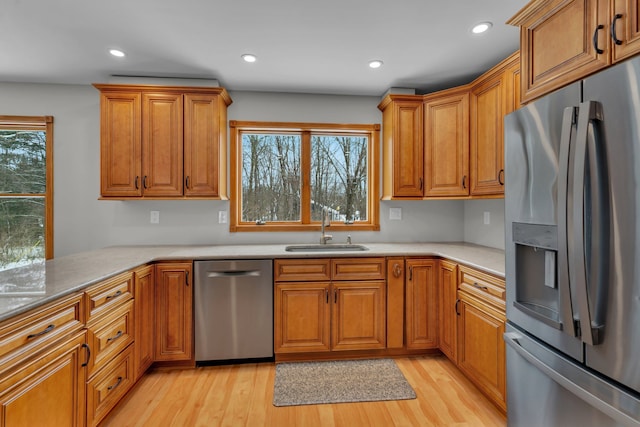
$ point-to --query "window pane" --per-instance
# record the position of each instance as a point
(21, 231)
(270, 177)
(23, 164)
(339, 168)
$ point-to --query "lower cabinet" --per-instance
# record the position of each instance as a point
(47, 389)
(174, 312)
(314, 313)
(144, 304)
(421, 304)
(448, 307)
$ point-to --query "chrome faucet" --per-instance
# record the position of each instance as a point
(326, 222)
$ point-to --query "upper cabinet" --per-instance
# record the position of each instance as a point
(455, 148)
(162, 142)
(402, 146)
(562, 41)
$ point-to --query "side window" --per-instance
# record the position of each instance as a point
(285, 174)
(26, 190)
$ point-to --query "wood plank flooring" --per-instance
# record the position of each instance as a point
(241, 395)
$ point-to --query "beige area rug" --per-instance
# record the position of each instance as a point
(307, 383)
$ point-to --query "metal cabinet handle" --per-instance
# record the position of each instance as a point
(615, 39)
(421, 183)
(187, 182)
(44, 331)
(595, 39)
(411, 273)
(186, 278)
(111, 387)
(335, 296)
(501, 177)
(464, 181)
(144, 182)
(475, 285)
(116, 295)
(326, 294)
(136, 182)
(397, 270)
(115, 337)
(85, 345)
(457, 303)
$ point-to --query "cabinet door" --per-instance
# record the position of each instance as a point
(302, 317)
(359, 315)
(395, 302)
(446, 141)
(422, 304)
(447, 309)
(481, 351)
(120, 146)
(403, 151)
(162, 147)
(48, 390)
(202, 156)
(557, 42)
(487, 144)
(144, 304)
(174, 312)
(625, 20)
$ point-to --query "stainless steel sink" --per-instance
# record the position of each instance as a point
(325, 248)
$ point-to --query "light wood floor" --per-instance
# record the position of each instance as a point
(241, 395)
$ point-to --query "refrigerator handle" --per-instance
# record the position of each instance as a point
(569, 120)
(512, 340)
(594, 208)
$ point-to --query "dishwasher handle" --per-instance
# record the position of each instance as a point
(234, 273)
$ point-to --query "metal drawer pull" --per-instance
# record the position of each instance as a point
(116, 295)
(46, 330)
(85, 345)
(111, 387)
(484, 288)
(115, 337)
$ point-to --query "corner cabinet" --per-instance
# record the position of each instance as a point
(174, 312)
(162, 142)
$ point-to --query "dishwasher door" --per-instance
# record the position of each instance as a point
(233, 310)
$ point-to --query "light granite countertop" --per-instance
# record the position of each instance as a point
(24, 288)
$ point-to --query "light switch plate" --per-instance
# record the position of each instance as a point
(395, 213)
(155, 217)
(487, 218)
(222, 217)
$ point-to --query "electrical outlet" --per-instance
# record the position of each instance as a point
(395, 213)
(222, 217)
(155, 217)
(487, 218)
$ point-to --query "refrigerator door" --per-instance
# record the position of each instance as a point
(547, 389)
(537, 166)
(615, 307)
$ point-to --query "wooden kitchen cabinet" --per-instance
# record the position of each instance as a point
(421, 304)
(174, 312)
(492, 97)
(346, 312)
(562, 41)
(446, 143)
(402, 146)
(625, 31)
(302, 317)
(48, 388)
(481, 325)
(448, 306)
(162, 142)
(395, 302)
(144, 306)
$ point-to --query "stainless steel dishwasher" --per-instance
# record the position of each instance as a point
(233, 310)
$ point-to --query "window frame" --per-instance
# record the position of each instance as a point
(372, 131)
(39, 123)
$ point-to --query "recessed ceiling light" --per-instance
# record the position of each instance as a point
(116, 52)
(249, 57)
(481, 27)
(376, 63)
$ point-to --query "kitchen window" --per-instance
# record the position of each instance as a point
(283, 175)
(26, 190)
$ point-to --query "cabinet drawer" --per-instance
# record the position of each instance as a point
(105, 295)
(109, 385)
(294, 270)
(481, 285)
(357, 269)
(110, 335)
(37, 328)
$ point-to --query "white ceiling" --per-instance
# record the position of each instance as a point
(320, 46)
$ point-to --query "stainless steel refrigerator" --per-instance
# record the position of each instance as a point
(572, 231)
